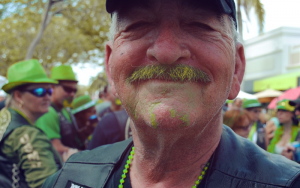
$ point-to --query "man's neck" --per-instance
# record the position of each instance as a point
(161, 160)
(288, 126)
(57, 104)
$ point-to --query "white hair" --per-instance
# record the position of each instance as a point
(113, 27)
(114, 20)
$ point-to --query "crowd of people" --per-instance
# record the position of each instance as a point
(279, 134)
(171, 66)
(42, 123)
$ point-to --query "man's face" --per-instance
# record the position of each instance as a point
(170, 33)
(65, 90)
(284, 116)
(86, 114)
(254, 113)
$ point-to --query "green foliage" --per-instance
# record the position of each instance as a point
(247, 6)
(98, 83)
(76, 33)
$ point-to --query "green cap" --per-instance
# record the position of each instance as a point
(251, 103)
(63, 72)
(286, 105)
(82, 103)
(26, 72)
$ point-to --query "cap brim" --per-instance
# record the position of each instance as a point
(227, 7)
(10, 86)
(256, 105)
(84, 107)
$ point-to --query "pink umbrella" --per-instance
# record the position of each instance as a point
(291, 94)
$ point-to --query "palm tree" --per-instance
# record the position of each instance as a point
(247, 6)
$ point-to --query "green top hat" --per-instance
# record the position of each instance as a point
(63, 72)
(286, 105)
(26, 72)
(251, 103)
(82, 103)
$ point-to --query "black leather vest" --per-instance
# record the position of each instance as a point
(10, 172)
(68, 133)
(236, 163)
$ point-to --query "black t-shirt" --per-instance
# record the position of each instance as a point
(105, 111)
(2, 104)
(114, 180)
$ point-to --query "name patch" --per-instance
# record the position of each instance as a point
(71, 184)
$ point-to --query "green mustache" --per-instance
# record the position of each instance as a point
(181, 73)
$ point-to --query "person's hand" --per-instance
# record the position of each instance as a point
(269, 130)
(67, 154)
(288, 152)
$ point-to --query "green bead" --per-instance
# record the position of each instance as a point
(194, 186)
(126, 166)
(128, 161)
(125, 171)
(207, 164)
(203, 172)
(132, 152)
(205, 168)
(123, 176)
(200, 177)
(130, 157)
(120, 186)
(197, 182)
(133, 148)
(122, 181)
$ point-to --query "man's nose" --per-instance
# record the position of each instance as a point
(168, 47)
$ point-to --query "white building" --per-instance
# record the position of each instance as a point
(273, 60)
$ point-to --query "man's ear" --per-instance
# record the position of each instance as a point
(108, 53)
(239, 71)
(17, 95)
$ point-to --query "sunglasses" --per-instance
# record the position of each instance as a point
(69, 89)
(40, 92)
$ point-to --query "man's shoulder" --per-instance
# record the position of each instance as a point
(90, 168)
(244, 161)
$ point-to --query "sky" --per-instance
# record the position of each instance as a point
(84, 72)
(279, 13)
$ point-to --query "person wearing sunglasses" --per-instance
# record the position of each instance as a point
(27, 157)
(85, 113)
(257, 131)
(288, 130)
(59, 122)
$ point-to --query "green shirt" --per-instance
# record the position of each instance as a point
(49, 123)
(30, 149)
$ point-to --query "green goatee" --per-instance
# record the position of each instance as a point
(176, 73)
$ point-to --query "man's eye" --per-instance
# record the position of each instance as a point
(137, 25)
(201, 26)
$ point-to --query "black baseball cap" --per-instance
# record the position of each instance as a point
(224, 6)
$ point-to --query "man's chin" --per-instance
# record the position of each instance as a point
(165, 117)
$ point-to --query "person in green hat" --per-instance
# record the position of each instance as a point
(85, 114)
(27, 157)
(287, 133)
(257, 131)
(59, 123)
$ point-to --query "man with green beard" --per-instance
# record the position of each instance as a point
(173, 64)
(58, 123)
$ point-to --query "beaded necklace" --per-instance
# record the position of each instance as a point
(128, 162)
